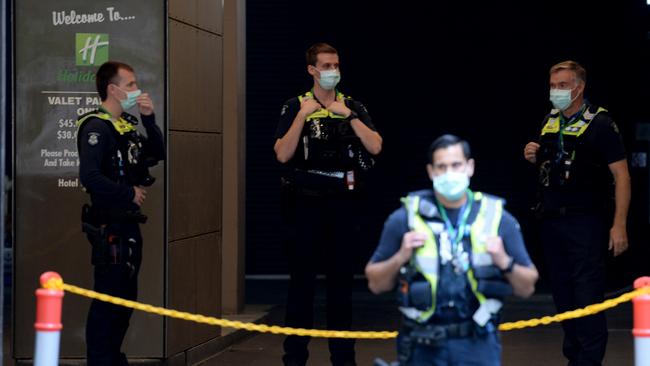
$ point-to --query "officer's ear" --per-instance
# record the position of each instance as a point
(470, 167)
(313, 71)
(430, 171)
(112, 90)
(581, 87)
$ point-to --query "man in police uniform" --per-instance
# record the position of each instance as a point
(578, 152)
(114, 162)
(455, 254)
(326, 141)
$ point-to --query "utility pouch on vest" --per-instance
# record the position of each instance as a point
(413, 289)
(494, 289)
(491, 282)
(486, 272)
(420, 295)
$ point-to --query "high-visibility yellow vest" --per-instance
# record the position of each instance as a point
(322, 112)
(121, 125)
(577, 128)
(426, 260)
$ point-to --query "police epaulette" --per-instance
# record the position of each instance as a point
(83, 118)
(130, 118)
(591, 112)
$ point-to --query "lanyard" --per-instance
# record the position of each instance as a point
(456, 234)
(564, 123)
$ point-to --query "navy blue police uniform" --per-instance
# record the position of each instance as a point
(576, 210)
(114, 158)
(322, 186)
(454, 325)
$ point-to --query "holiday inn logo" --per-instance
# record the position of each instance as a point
(91, 48)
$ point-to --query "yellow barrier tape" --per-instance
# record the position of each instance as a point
(578, 313)
(263, 328)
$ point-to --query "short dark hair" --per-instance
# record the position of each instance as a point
(315, 49)
(106, 74)
(445, 141)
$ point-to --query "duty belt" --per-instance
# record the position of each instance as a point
(432, 335)
(101, 216)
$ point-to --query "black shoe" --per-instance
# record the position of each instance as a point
(292, 361)
(120, 360)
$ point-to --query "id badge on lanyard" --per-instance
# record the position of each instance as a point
(453, 238)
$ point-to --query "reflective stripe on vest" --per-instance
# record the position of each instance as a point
(484, 226)
(425, 258)
(120, 125)
(322, 112)
(575, 129)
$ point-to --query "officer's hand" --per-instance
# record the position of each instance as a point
(309, 106)
(140, 195)
(530, 152)
(618, 239)
(145, 104)
(498, 253)
(339, 107)
(411, 240)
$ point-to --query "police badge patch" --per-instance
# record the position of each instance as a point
(93, 138)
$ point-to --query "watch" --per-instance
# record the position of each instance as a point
(352, 115)
(510, 266)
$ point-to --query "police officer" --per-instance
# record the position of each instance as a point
(455, 254)
(326, 141)
(114, 161)
(578, 152)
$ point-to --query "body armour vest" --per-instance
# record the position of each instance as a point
(129, 163)
(329, 142)
(487, 283)
(560, 142)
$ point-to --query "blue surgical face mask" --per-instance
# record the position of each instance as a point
(561, 98)
(131, 96)
(329, 79)
(451, 185)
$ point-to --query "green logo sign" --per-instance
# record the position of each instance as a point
(91, 49)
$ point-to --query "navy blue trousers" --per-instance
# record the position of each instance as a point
(575, 248)
(107, 323)
(480, 350)
(323, 235)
